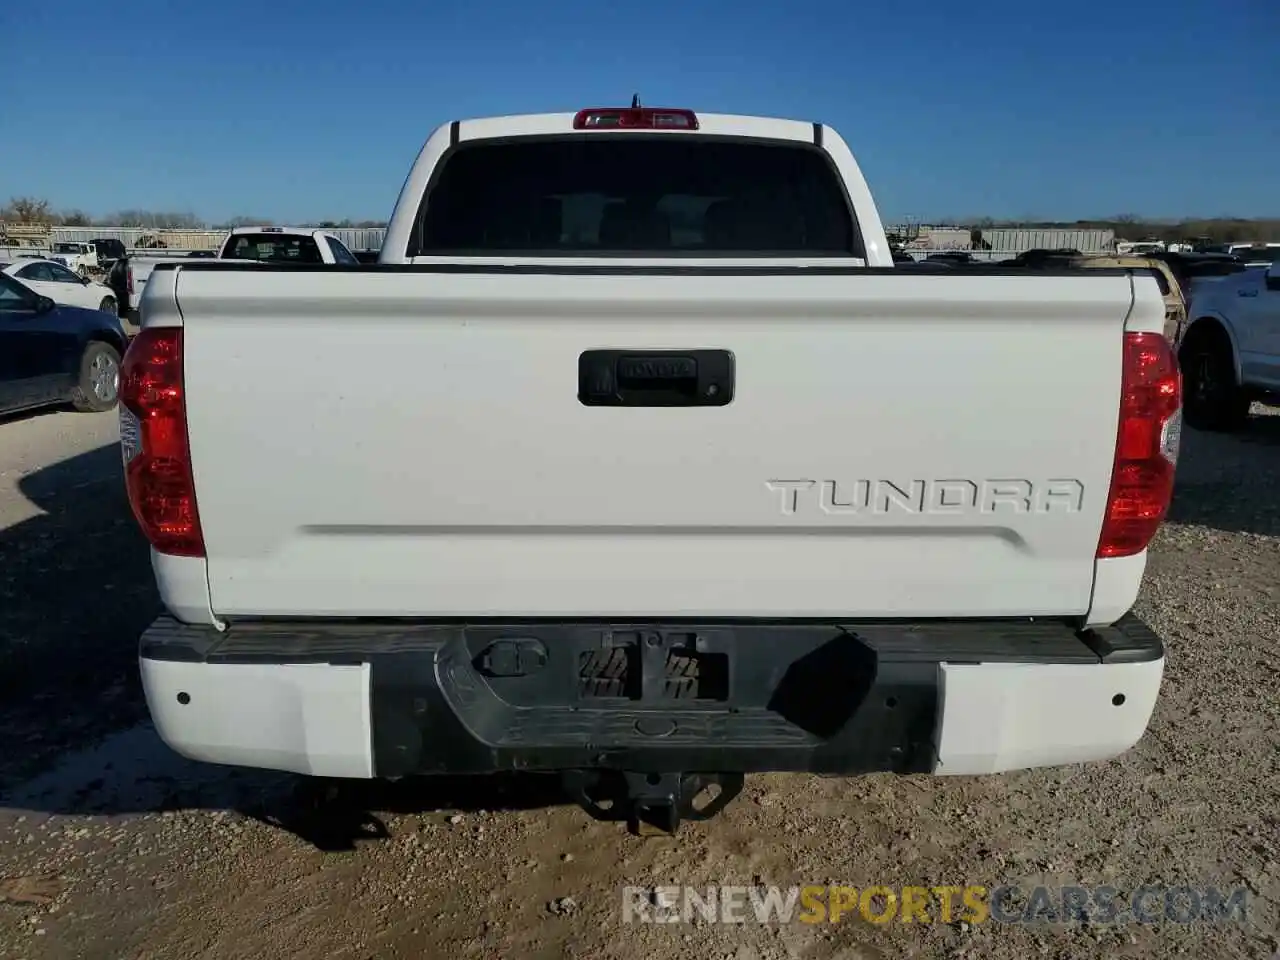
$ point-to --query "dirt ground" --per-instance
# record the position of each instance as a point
(110, 846)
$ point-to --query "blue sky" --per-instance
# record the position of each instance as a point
(304, 109)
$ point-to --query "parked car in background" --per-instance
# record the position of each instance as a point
(51, 353)
(53, 280)
(82, 258)
(109, 250)
(1042, 259)
(1194, 270)
(1256, 254)
(1203, 244)
(286, 245)
(1139, 248)
(1230, 355)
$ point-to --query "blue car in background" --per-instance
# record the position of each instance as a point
(52, 354)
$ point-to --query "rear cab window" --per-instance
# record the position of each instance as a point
(340, 253)
(272, 248)
(664, 196)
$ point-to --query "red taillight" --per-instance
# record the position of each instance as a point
(153, 436)
(1146, 446)
(131, 281)
(635, 118)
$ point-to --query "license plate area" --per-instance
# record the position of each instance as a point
(642, 665)
(622, 667)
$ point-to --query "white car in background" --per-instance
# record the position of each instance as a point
(61, 285)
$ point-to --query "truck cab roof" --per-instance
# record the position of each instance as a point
(537, 186)
(308, 231)
(705, 124)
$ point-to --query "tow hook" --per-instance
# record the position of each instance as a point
(652, 802)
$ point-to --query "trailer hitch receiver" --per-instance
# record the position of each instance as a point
(658, 801)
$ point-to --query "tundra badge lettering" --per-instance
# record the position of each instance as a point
(928, 497)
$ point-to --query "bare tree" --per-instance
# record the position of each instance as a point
(153, 220)
(349, 224)
(246, 222)
(130, 218)
(179, 221)
(28, 210)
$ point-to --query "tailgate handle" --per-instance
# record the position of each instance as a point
(655, 378)
(657, 372)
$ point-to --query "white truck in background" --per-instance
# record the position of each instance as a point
(261, 244)
(79, 258)
(636, 459)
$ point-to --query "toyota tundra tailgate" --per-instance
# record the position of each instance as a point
(560, 441)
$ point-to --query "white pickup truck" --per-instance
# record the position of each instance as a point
(636, 459)
(81, 258)
(261, 244)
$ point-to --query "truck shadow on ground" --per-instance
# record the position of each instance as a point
(34, 414)
(76, 591)
(1227, 482)
(75, 587)
(335, 815)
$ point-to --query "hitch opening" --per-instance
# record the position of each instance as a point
(658, 801)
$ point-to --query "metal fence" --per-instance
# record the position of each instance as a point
(1016, 239)
(1086, 241)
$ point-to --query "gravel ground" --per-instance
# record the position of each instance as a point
(110, 846)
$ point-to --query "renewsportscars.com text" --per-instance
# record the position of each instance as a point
(973, 904)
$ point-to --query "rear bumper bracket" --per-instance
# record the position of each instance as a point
(657, 800)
